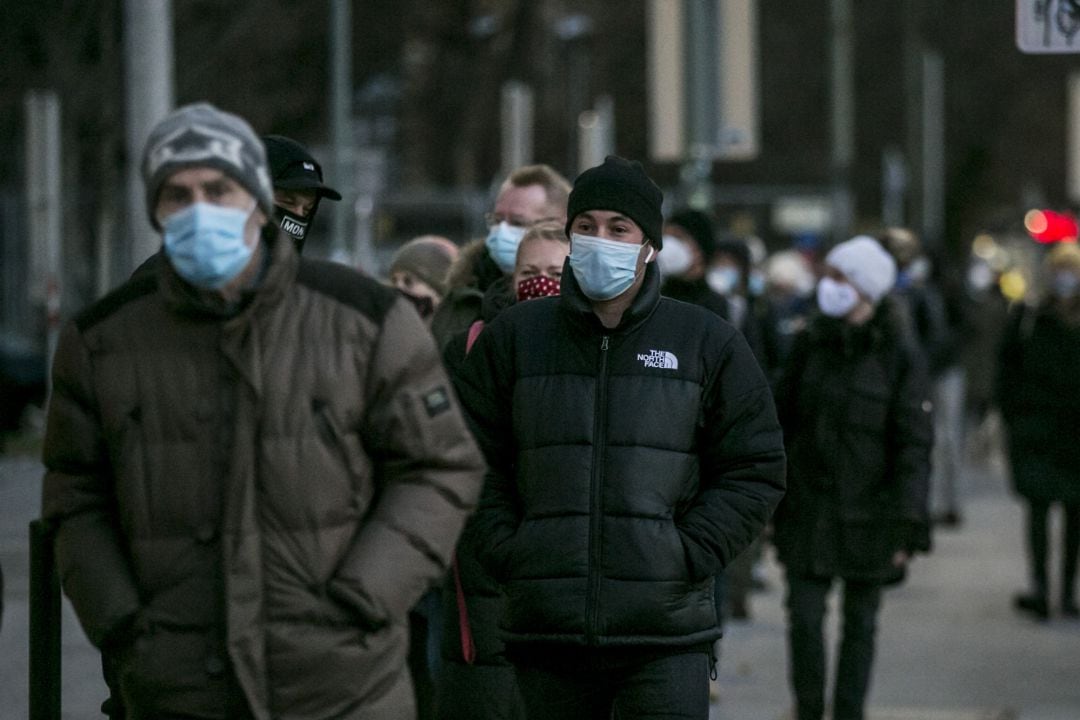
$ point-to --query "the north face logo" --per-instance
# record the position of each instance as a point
(659, 359)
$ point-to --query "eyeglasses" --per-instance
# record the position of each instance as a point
(491, 220)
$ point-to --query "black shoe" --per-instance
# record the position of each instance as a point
(1069, 608)
(1034, 604)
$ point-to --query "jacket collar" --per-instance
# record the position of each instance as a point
(884, 328)
(279, 260)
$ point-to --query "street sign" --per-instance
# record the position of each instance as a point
(1048, 26)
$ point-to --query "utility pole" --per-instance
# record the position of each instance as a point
(842, 115)
(148, 68)
(517, 126)
(933, 150)
(596, 133)
(702, 101)
(43, 202)
(341, 140)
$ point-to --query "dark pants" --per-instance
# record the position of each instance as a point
(631, 683)
(806, 604)
(477, 692)
(1038, 548)
(425, 631)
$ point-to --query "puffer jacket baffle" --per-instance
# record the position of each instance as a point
(628, 466)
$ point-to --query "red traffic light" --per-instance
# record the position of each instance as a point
(1049, 226)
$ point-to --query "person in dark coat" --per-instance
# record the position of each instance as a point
(528, 195)
(854, 404)
(1039, 397)
(298, 186)
(419, 271)
(689, 242)
(476, 681)
(254, 461)
(633, 451)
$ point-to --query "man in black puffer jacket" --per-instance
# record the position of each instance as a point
(634, 451)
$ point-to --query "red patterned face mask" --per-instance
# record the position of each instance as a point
(537, 286)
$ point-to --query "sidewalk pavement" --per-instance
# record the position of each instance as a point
(950, 645)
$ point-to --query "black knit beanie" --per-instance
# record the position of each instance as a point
(621, 186)
(699, 226)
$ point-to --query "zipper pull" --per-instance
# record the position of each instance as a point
(604, 342)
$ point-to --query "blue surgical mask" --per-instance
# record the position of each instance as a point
(502, 244)
(755, 285)
(205, 243)
(604, 269)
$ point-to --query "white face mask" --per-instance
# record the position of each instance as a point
(674, 258)
(723, 280)
(836, 299)
(979, 277)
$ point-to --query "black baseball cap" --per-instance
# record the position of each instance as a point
(293, 168)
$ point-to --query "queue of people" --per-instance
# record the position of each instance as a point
(524, 478)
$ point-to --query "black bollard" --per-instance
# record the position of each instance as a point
(44, 625)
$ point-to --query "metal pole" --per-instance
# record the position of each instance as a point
(148, 54)
(43, 200)
(340, 34)
(933, 149)
(702, 101)
(44, 625)
(843, 115)
(701, 73)
(913, 110)
(596, 133)
(517, 126)
(893, 186)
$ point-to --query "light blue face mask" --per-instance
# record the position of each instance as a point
(1066, 284)
(755, 285)
(502, 244)
(205, 243)
(604, 269)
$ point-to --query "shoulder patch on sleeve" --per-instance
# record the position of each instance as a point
(347, 286)
(436, 401)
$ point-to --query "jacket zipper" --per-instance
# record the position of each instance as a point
(596, 480)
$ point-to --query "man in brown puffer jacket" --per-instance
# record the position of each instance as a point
(254, 462)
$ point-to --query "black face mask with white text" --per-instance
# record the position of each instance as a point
(294, 225)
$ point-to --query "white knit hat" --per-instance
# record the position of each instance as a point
(868, 267)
